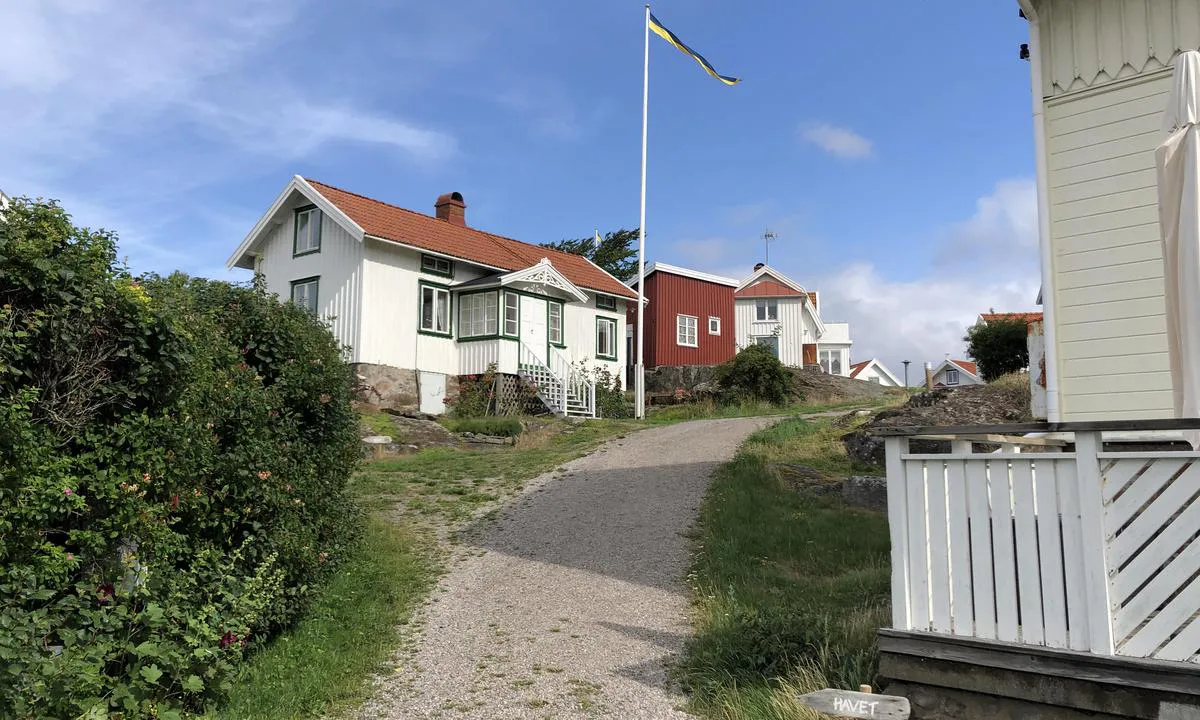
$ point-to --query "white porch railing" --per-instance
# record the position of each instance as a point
(562, 386)
(1087, 550)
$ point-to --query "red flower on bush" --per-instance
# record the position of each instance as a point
(68, 492)
(105, 593)
(227, 639)
(174, 502)
(264, 474)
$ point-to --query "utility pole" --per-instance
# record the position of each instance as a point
(906, 362)
(767, 237)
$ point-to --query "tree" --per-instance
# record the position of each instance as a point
(616, 252)
(999, 347)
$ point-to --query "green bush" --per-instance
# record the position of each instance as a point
(755, 374)
(610, 398)
(174, 460)
(498, 426)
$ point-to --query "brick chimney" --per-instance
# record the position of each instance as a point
(451, 208)
(758, 266)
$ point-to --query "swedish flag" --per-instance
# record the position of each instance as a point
(670, 37)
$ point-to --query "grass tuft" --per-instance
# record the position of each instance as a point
(497, 426)
(789, 588)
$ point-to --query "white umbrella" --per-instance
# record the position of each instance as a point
(1179, 218)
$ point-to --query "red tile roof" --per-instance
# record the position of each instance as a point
(767, 288)
(857, 367)
(966, 365)
(397, 224)
(1026, 316)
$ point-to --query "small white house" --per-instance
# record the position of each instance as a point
(771, 309)
(421, 300)
(874, 371)
(954, 373)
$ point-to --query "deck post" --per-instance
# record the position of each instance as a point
(1095, 542)
(897, 503)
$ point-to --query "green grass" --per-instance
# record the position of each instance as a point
(498, 426)
(377, 422)
(320, 666)
(789, 589)
(710, 410)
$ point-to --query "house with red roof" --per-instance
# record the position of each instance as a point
(954, 373)
(688, 316)
(876, 372)
(420, 300)
(773, 310)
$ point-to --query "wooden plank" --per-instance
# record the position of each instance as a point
(849, 704)
(1153, 518)
(941, 457)
(939, 547)
(1054, 602)
(918, 545)
(1137, 609)
(1137, 481)
(1095, 551)
(1166, 623)
(1131, 425)
(962, 615)
(1118, 474)
(1028, 568)
(1072, 538)
(897, 498)
(981, 549)
(1003, 552)
(1185, 645)
(996, 440)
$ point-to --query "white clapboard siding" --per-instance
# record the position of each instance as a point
(1107, 255)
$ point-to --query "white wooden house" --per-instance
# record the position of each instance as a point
(771, 309)
(955, 373)
(420, 300)
(874, 371)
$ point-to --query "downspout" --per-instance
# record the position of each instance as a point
(1053, 411)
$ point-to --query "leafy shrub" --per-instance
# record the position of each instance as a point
(498, 426)
(173, 460)
(610, 398)
(755, 374)
(477, 397)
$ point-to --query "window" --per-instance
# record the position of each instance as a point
(512, 304)
(771, 342)
(685, 330)
(307, 238)
(606, 302)
(304, 293)
(951, 377)
(714, 325)
(435, 309)
(437, 265)
(766, 309)
(606, 338)
(478, 314)
(877, 381)
(831, 361)
(554, 326)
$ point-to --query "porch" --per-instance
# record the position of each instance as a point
(1048, 542)
(564, 387)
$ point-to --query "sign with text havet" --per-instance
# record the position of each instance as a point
(847, 704)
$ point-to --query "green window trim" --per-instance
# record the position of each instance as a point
(296, 251)
(562, 321)
(434, 260)
(606, 302)
(421, 286)
(315, 281)
(600, 320)
(504, 296)
(459, 309)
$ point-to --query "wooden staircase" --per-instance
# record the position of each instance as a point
(563, 388)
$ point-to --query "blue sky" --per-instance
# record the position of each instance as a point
(888, 144)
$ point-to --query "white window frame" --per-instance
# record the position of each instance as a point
(479, 314)
(310, 240)
(766, 309)
(434, 264)
(606, 302)
(440, 297)
(714, 325)
(687, 327)
(311, 296)
(512, 314)
(769, 341)
(604, 322)
(825, 359)
(952, 377)
(554, 330)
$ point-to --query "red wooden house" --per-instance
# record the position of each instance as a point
(689, 318)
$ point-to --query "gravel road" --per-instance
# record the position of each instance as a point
(571, 603)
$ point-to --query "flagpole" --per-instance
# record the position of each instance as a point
(640, 371)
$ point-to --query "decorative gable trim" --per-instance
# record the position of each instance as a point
(264, 224)
(544, 273)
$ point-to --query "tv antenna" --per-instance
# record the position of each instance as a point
(767, 236)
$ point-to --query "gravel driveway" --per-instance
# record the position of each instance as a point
(572, 602)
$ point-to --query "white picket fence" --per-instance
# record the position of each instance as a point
(1088, 550)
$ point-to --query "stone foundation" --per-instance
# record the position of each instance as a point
(390, 387)
(668, 378)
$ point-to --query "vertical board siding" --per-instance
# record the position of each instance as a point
(579, 334)
(671, 295)
(338, 264)
(1106, 249)
(1087, 43)
(794, 326)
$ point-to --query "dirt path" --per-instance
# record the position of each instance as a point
(571, 603)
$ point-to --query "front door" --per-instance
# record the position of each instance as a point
(533, 327)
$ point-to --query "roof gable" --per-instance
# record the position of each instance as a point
(684, 272)
(964, 365)
(297, 186)
(769, 288)
(768, 271)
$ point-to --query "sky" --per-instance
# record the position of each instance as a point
(888, 145)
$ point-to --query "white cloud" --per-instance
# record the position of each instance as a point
(839, 141)
(1004, 226)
